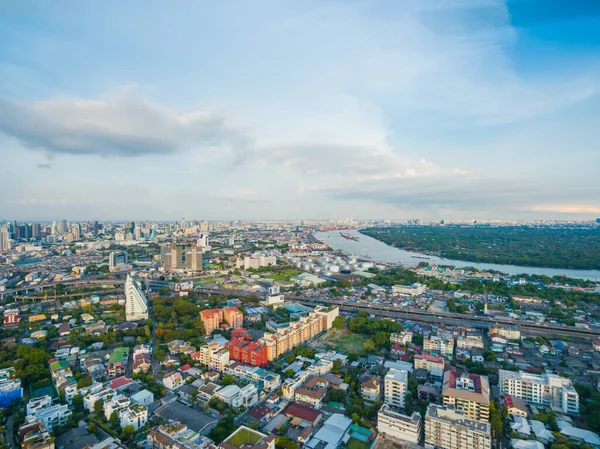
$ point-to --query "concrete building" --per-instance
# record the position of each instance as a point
(440, 346)
(392, 423)
(136, 304)
(429, 362)
(402, 338)
(415, 289)
(298, 332)
(546, 389)
(445, 428)
(173, 380)
(468, 393)
(215, 356)
(11, 317)
(54, 415)
(395, 385)
(178, 257)
(134, 415)
(211, 318)
(233, 317)
(256, 261)
(117, 260)
(370, 389)
(508, 332)
(237, 397)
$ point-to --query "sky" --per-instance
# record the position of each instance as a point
(313, 109)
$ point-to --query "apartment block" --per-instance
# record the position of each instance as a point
(440, 346)
(392, 423)
(395, 385)
(214, 356)
(429, 362)
(402, 338)
(298, 332)
(233, 317)
(545, 389)
(448, 429)
(468, 393)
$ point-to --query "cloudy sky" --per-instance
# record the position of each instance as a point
(261, 109)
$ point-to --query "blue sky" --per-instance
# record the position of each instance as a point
(458, 109)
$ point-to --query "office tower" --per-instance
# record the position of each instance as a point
(137, 233)
(445, 428)
(177, 257)
(4, 240)
(182, 224)
(136, 304)
(468, 393)
(62, 227)
(545, 389)
(396, 382)
(203, 240)
(117, 260)
(96, 228)
(76, 231)
(36, 230)
(54, 228)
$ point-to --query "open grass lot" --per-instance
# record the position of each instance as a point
(283, 275)
(242, 437)
(353, 443)
(343, 341)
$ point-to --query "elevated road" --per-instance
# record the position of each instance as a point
(426, 316)
(71, 282)
(483, 322)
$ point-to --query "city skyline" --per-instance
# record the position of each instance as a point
(278, 110)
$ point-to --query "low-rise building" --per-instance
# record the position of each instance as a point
(371, 388)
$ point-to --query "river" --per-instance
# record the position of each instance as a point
(375, 250)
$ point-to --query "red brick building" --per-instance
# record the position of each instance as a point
(244, 350)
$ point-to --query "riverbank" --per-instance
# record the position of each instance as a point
(372, 249)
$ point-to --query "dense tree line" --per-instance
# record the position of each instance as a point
(573, 247)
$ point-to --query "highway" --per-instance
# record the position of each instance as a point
(426, 316)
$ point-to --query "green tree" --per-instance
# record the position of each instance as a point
(369, 346)
(127, 432)
(228, 380)
(99, 407)
(339, 322)
(77, 403)
(114, 419)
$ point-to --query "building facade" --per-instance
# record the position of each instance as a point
(468, 393)
(136, 304)
(445, 428)
(392, 423)
(395, 385)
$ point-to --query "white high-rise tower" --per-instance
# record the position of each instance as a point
(136, 304)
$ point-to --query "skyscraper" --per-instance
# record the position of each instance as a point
(136, 304)
(4, 240)
(76, 231)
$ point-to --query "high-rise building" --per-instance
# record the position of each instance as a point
(546, 389)
(234, 317)
(211, 318)
(178, 257)
(395, 387)
(76, 231)
(446, 428)
(4, 241)
(96, 228)
(136, 304)
(36, 230)
(117, 260)
(392, 423)
(468, 393)
(203, 240)
(62, 227)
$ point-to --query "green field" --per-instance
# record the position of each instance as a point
(353, 443)
(283, 275)
(342, 340)
(243, 436)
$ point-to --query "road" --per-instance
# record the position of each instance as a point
(10, 436)
(484, 322)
